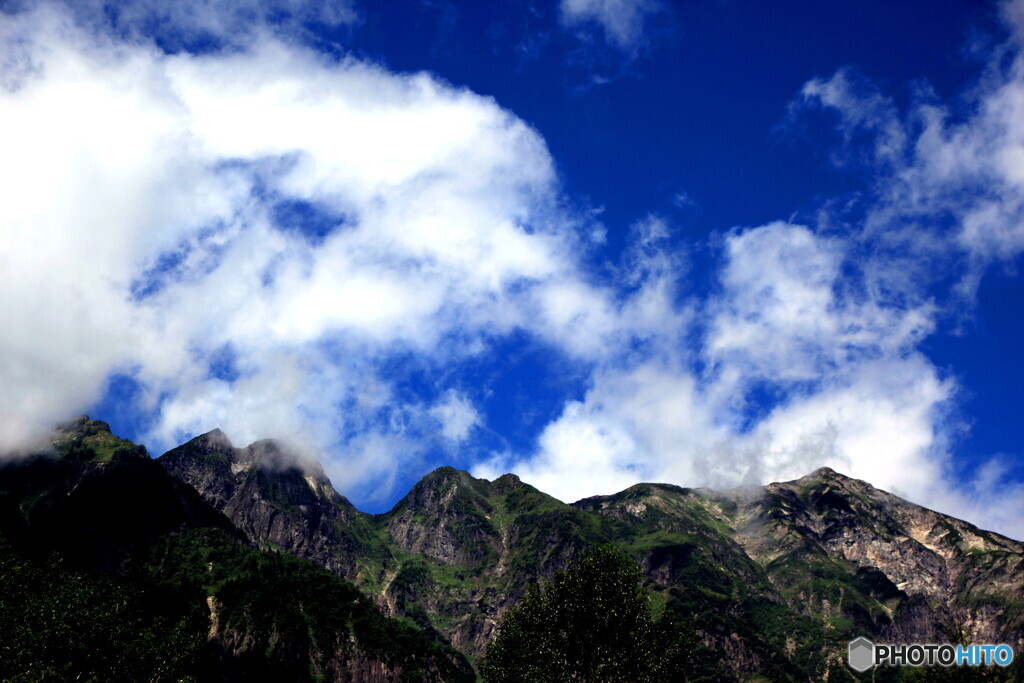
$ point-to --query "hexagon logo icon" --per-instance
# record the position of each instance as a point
(862, 654)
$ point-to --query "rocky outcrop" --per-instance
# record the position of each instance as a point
(836, 549)
(470, 547)
(281, 502)
(448, 517)
(946, 568)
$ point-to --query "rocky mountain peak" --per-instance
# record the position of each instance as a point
(81, 425)
(213, 446)
(446, 516)
(214, 439)
(825, 473)
(211, 460)
(87, 440)
(667, 502)
(440, 488)
(269, 456)
(506, 483)
(277, 498)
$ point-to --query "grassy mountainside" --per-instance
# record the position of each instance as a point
(836, 558)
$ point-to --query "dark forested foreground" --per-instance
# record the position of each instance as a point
(217, 563)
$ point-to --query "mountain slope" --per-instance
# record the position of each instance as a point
(280, 504)
(452, 555)
(113, 570)
(852, 559)
(468, 548)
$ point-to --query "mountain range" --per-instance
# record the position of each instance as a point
(222, 563)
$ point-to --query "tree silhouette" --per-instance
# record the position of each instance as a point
(591, 623)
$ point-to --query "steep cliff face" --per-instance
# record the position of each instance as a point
(927, 570)
(452, 555)
(447, 517)
(281, 503)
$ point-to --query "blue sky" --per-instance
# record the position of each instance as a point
(593, 242)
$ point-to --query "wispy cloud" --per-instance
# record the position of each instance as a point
(205, 25)
(622, 22)
(949, 182)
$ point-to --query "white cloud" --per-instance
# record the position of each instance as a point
(780, 318)
(885, 424)
(456, 415)
(621, 20)
(119, 157)
(785, 314)
(862, 109)
(648, 423)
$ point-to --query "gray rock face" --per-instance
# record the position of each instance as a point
(470, 547)
(947, 568)
(278, 502)
(835, 547)
(447, 517)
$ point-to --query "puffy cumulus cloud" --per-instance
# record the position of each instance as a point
(622, 21)
(140, 191)
(785, 314)
(456, 414)
(884, 421)
(843, 364)
(76, 185)
(781, 320)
